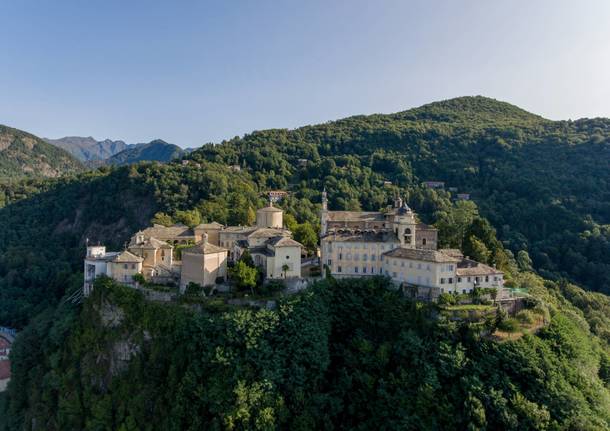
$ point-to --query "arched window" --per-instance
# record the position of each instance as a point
(423, 241)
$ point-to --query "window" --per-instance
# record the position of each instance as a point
(450, 280)
(450, 267)
(486, 278)
(469, 279)
(428, 267)
(338, 269)
(133, 266)
(442, 281)
(372, 270)
(373, 257)
(394, 262)
(419, 266)
(463, 290)
(381, 257)
(402, 263)
(476, 279)
(394, 274)
(364, 269)
(356, 270)
(365, 257)
(423, 241)
(410, 264)
(340, 256)
(329, 262)
(459, 279)
(125, 266)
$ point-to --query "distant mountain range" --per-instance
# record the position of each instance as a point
(23, 154)
(108, 152)
(88, 149)
(158, 150)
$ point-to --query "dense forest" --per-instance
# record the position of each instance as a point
(540, 202)
(341, 355)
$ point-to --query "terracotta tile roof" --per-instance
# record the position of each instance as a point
(421, 254)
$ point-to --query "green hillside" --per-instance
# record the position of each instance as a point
(157, 150)
(351, 355)
(23, 154)
(544, 185)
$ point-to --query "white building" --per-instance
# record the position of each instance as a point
(120, 266)
(446, 270)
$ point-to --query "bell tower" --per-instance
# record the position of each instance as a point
(405, 225)
(324, 213)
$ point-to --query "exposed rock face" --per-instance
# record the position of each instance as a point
(23, 154)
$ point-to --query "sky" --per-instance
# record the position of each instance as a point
(192, 72)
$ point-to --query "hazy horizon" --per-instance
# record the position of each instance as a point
(199, 72)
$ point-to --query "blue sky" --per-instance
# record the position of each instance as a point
(192, 72)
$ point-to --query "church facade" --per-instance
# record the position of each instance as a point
(394, 243)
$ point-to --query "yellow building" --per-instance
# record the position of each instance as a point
(203, 264)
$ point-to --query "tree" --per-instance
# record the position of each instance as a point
(190, 218)
(306, 235)
(162, 219)
(290, 222)
(251, 217)
(244, 276)
(523, 261)
(476, 249)
(285, 269)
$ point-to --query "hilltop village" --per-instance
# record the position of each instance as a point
(392, 242)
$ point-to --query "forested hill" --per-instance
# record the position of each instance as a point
(346, 355)
(23, 154)
(156, 150)
(544, 185)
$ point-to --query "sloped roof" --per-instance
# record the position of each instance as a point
(421, 254)
(150, 242)
(284, 241)
(362, 236)
(203, 247)
(126, 257)
(468, 267)
(270, 209)
(175, 231)
(213, 225)
(268, 233)
(345, 216)
(455, 252)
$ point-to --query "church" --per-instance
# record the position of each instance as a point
(393, 242)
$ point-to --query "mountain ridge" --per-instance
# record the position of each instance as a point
(23, 154)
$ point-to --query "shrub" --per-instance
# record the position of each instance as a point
(193, 289)
(139, 278)
(526, 316)
(509, 325)
(447, 299)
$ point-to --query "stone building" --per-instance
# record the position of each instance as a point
(204, 264)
